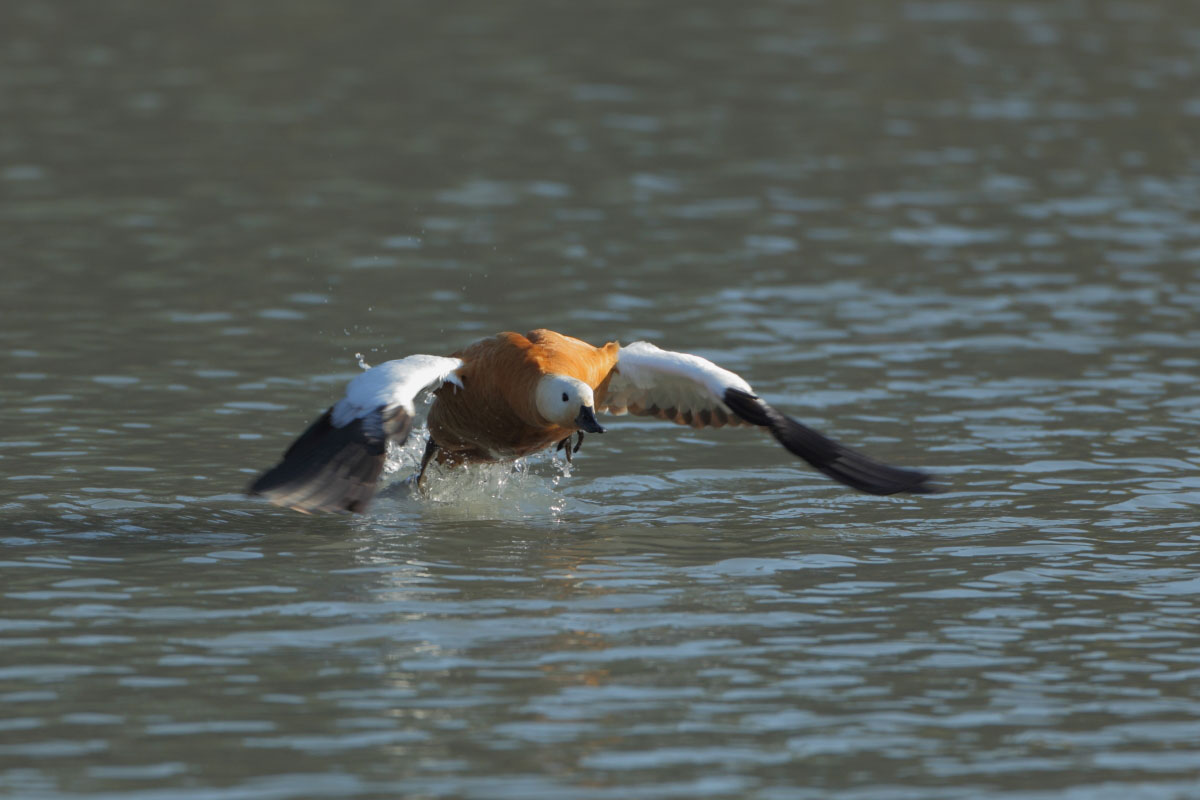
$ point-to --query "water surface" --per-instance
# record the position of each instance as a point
(959, 235)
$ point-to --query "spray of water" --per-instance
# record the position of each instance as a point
(527, 488)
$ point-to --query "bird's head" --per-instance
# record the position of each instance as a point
(567, 402)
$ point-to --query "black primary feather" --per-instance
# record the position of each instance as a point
(333, 469)
(835, 460)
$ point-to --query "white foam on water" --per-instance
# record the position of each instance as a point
(505, 490)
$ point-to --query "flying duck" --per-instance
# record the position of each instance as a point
(507, 396)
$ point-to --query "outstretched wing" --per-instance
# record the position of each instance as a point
(678, 387)
(690, 390)
(336, 463)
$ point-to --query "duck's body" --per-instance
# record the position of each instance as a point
(494, 416)
(511, 395)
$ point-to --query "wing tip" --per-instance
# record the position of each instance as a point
(831, 458)
(897, 481)
(329, 469)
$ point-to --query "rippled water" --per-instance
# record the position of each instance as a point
(960, 235)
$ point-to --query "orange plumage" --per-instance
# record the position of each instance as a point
(494, 416)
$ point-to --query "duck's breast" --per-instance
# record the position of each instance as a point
(494, 414)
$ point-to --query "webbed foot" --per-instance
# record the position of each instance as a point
(565, 446)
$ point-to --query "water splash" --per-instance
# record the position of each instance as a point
(506, 490)
(503, 490)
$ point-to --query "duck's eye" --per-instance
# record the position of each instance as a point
(564, 397)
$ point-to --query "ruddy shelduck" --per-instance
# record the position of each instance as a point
(507, 396)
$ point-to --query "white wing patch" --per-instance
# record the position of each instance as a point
(679, 387)
(394, 384)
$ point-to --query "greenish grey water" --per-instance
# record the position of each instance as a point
(961, 235)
